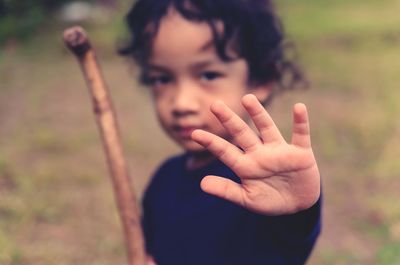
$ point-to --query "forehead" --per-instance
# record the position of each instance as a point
(177, 37)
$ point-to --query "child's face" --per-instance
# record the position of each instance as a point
(187, 76)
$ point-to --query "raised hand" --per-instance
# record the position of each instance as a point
(276, 177)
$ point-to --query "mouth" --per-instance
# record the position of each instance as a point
(184, 132)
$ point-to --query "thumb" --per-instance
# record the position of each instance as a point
(223, 188)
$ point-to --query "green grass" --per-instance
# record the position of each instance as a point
(56, 202)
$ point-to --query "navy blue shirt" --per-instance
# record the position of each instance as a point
(185, 226)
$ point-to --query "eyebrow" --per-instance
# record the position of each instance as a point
(154, 67)
(207, 45)
(204, 64)
(195, 66)
(211, 62)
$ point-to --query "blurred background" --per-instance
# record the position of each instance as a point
(56, 201)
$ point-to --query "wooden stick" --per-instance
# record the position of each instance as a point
(77, 41)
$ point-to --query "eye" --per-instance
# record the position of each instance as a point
(210, 75)
(157, 80)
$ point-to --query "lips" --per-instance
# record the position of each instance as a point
(184, 132)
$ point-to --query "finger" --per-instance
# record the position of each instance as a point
(222, 149)
(301, 127)
(236, 127)
(223, 188)
(150, 260)
(262, 120)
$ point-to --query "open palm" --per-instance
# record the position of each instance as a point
(276, 177)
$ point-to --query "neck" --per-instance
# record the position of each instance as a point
(198, 160)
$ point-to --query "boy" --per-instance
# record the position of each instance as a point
(209, 64)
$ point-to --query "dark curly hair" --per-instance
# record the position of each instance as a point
(250, 26)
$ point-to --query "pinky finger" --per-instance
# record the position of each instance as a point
(301, 127)
(223, 188)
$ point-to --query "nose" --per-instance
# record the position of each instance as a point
(185, 101)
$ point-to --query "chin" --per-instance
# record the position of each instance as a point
(192, 147)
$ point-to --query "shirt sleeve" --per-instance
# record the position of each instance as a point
(300, 228)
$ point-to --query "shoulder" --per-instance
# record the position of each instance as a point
(173, 163)
(165, 175)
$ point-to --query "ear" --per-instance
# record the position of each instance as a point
(264, 91)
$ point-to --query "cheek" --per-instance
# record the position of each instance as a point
(161, 108)
(161, 111)
(235, 104)
(164, 121)
(214, 125)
